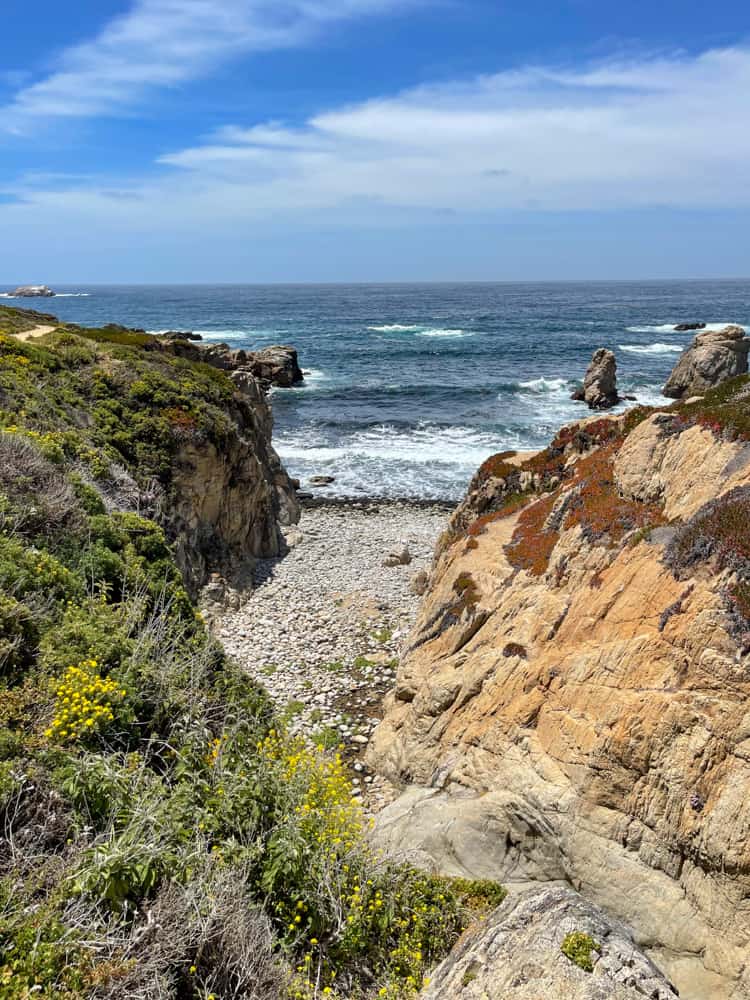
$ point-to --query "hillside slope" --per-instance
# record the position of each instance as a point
(169, 438)
(573, 704)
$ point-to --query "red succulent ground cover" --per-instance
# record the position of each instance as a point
(594, 504)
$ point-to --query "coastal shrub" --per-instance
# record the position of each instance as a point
(579, 948)
(86, 703)
(19, 636)
(724, 410)
(720, 533)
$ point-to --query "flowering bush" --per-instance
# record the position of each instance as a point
(85, 703)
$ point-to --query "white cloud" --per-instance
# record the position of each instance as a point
(162, 43)
(668, 130)
(663, 131)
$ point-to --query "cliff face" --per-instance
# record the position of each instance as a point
(227, 499)
(573, 704)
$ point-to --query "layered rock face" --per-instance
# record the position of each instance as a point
(573, 703)
(517, 955)
(227, 499)
(712, 358)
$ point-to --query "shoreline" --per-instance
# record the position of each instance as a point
(372, 504)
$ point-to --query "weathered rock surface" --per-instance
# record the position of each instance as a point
(277, 365)
(573, 706)
(229, 499)
(600, 382)
(32, 292)
(712, 358)
(516, 955)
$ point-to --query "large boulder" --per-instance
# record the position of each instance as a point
(517, 954)
(713, 357)
(600, 382)
(277, 365)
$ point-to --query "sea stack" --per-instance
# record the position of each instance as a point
(600, 382)
(712, 358)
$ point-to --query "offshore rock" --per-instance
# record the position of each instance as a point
(712, 358)
(33, 292)
(600, 382)
(516, 954)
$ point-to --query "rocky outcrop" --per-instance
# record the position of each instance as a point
(228, 499)
(277, 365)
(712, 358)
(685, 327)
(517, 955)
(572, 704)
(32, 292)
(600, 382)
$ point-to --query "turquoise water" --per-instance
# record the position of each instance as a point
(410, 387)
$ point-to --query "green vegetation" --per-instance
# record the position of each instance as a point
(162, 834)
(724, 410)
(20, 320)
(578, 947)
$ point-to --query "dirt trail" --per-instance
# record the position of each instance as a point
(36, 331)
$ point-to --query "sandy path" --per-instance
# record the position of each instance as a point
(36, 331)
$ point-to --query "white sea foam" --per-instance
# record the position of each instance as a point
(672, 328)
(420, 331)
(651, 348)
(394, 328)
(544, 384)
(661, 328)
(424, 444)
(220, 335)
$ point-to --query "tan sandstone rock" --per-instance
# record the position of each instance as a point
(587, 719)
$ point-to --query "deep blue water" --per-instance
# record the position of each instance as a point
(410, 387)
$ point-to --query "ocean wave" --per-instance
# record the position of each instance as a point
(661, 328)
(220, 335)
(395, 328)
(651, 348)
(423, 443)
(420, 330)
(544, 384)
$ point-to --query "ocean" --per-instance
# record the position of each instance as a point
(410, 387)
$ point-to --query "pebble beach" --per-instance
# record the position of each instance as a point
(324, 626)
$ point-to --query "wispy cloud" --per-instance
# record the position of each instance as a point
(162, 43)
(672, 130)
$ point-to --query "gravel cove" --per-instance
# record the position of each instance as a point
(324, 625)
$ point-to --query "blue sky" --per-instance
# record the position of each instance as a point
(344, 140)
